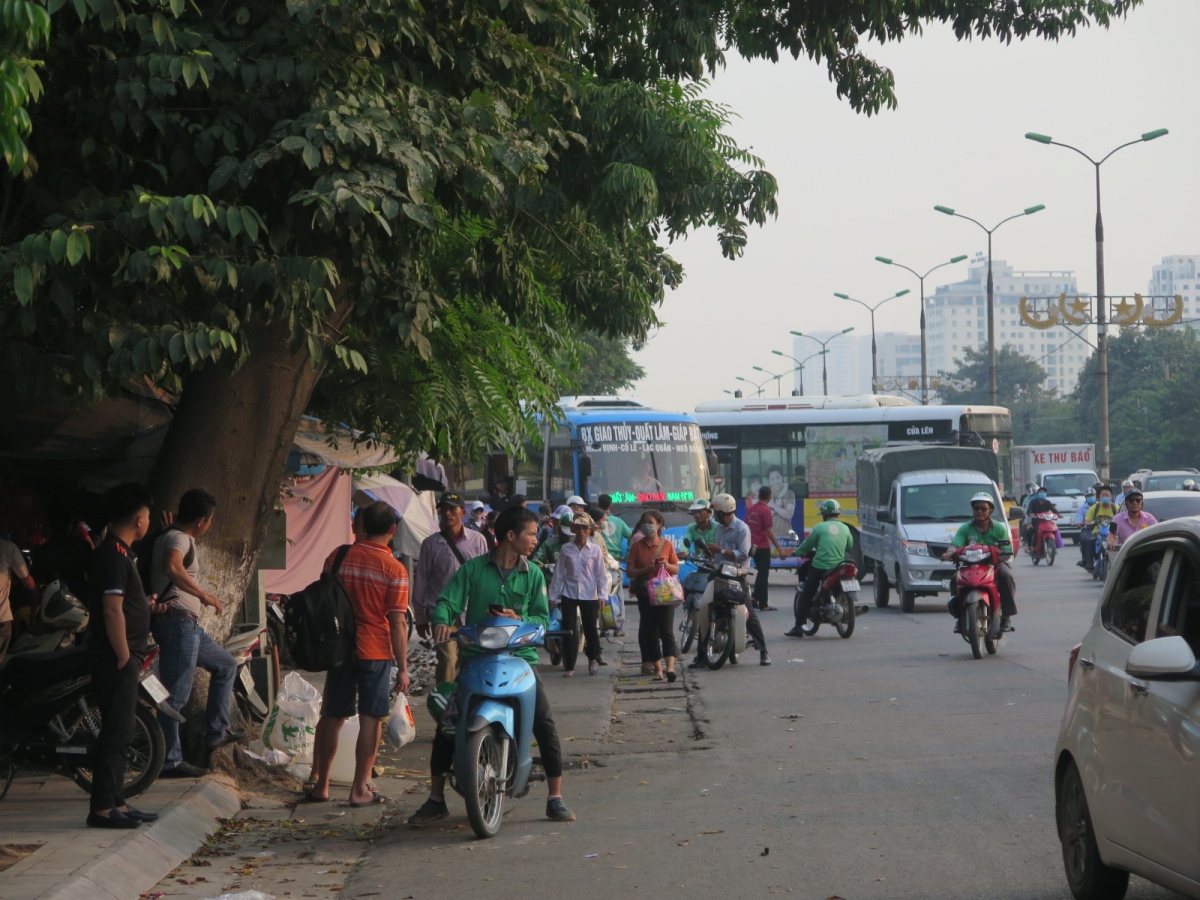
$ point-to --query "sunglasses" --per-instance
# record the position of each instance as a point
(1133, 499)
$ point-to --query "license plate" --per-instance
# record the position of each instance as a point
(946, 584)
(74, 751)
(246, 678)
(850, 584)
(155, 688)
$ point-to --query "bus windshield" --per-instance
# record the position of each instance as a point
(646, 462)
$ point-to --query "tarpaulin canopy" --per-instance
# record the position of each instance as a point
(418, 518)
(878, 468)
(318, 522)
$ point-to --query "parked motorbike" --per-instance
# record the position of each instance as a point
(977, 598)
(49, 718)
(722, 627)
(694, 586)
(59, 621)
(1045, 539)
(241, 646)
(491, 715)
(836, 600)
(1100, 563)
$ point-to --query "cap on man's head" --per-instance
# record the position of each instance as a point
(576, 500)
(583, 519)
(450, 498)
(477, 505)
(1126, 484)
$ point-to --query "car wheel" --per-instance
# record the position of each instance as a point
(1087, 875)
(882, 597)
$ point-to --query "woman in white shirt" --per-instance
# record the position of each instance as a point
(580, 583)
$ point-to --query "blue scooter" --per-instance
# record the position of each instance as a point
(493, 728)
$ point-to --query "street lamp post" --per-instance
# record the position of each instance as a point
(991, 294)
(871, 310)
(800, 364)
(757, 387)
(778, 390)
(924, 344)
(824, 350)
(1101, 312)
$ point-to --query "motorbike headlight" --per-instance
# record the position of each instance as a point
(728, 571)
(974, 556)
(496, 637)
(916, 548)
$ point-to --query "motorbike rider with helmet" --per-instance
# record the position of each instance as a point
(732, 544)
(1085, 530)
(983, 529)
(1039, 504)
(829, 542)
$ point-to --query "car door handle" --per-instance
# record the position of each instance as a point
(1138, 689)
(1086, 663)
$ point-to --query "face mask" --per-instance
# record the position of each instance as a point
(1041, 495)
(1091, 501)
(649, 530)
(1105, 501)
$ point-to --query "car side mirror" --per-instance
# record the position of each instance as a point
(885, 515)
(1163, 658)
(585, 466)
(1015, 512)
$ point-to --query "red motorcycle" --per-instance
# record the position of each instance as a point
(976, 601)
(1045, 538)
(835, 602)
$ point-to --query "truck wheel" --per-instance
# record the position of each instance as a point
(908, 599)
(882, 593)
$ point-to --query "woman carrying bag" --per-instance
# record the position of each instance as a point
(651, 559)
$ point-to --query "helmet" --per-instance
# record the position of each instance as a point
(576, 500)
(830, 508)
(700, 504)
(724, 503)
(61, 610)
(1090, 492)
(984, 497)
(564, 524)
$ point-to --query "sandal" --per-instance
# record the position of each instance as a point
(647, 669)
(375, 799)
(659, 678)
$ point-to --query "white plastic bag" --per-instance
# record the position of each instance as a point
(402, 728)
(292, 723)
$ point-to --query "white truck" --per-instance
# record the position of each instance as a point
(911, 501)
(1066, 471)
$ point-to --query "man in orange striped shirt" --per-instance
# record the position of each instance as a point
(377, 585)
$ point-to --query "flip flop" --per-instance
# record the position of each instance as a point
(376, 798)
(309, 798)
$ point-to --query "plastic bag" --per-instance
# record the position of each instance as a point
(292, 722)
(258, 750)
(402, 728)
(665, 589)
(612, 613)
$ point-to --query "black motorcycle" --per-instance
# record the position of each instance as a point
(50, 719)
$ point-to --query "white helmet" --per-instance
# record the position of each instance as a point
(724, 503)
(984, 497)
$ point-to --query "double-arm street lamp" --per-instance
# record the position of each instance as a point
(757, 387)
(991, 293)
(1101, 312)
(924, 344)
(800, 364)
(871, 309)
(778, 389)
(824, 353)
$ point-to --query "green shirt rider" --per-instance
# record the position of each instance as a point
(982, 529)
(829, 542)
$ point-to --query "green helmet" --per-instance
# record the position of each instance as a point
(830, 508)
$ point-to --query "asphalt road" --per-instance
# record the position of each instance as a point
(910, 770)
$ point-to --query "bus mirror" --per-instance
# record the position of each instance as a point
(714, 462)
(585, 466)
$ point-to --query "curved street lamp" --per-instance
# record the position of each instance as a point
(757, 387)
(1101, 312)
(871, 310)
(924, 345)
(778, 390)
(991, 306)
(800, 364)
(824, 347)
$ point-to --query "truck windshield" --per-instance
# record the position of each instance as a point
(939, 502)
(1068, 484)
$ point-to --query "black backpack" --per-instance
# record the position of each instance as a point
(319, 622)
(144, 551)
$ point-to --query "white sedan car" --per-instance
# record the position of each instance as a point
(1127, 765)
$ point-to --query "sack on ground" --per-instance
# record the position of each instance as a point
(402, 728)
(665, 589)
(319, 622)
(292, 722)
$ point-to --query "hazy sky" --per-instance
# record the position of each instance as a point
(852, 187)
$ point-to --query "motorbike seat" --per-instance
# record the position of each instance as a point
(32, 669)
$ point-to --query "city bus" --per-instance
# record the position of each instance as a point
(644, 458)
(805, 448)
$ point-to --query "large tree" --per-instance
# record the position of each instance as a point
(391, 212)
(1019, 379)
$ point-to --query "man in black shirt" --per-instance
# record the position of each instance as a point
(118, 633)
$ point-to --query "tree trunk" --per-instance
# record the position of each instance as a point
(231, 435)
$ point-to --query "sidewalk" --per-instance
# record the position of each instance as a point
(75, 862)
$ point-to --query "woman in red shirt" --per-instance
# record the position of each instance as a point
(656, 628)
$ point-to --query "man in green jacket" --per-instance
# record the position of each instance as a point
(983, 529)
(502, 578)
(829, 542)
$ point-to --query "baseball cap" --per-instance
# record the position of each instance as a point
(477, 504)
(576, 500)
(700, 504)
(450, 498)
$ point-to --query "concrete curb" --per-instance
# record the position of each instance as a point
(138, 862)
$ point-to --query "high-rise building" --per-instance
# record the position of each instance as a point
(956, 316)
(899, 357)
(1177, 275)
(843, 359)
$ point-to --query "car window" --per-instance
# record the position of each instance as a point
(1127, 609)
(1181, 604)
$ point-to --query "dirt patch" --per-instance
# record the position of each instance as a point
(11, 854)
(653, 716)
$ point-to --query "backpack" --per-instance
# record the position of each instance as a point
(319, 622)
(144, 551)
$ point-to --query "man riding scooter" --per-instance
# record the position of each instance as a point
(829, 542)
(1085, 530)
(733, 545)
(1038, 505)
(983, 529)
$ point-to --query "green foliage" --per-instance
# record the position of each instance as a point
(1153, 400)
(24, 27)
(1019, 379)
(597, 366)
